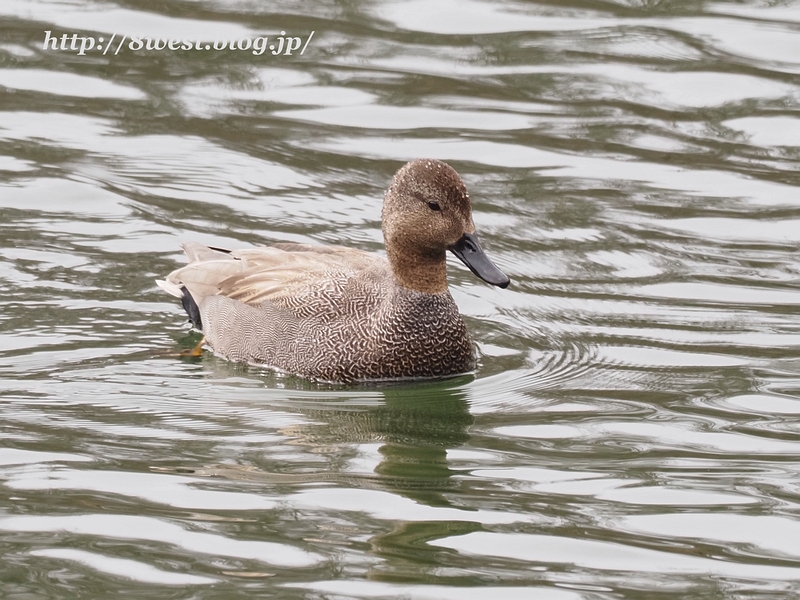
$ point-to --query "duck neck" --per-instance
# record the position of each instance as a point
(419, 271)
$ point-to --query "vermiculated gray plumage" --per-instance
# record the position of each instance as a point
(338, 314)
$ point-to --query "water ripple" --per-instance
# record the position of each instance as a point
(631, 428)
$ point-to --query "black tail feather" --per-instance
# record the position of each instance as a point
(191, 308)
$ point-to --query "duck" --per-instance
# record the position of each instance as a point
(339, 314)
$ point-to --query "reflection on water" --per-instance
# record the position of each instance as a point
(631, 430)
(402, 443)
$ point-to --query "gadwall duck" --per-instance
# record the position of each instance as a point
(337, 314)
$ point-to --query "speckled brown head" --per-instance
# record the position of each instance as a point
(426, 212)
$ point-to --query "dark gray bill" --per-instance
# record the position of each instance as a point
(469, 251)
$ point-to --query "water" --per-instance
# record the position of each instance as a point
(632, 431)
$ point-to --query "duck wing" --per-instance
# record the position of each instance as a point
(301, 277)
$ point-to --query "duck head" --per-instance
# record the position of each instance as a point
(426, 212)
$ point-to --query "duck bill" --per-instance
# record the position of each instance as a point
(469, 251)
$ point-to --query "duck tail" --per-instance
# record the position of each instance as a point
(188, 303)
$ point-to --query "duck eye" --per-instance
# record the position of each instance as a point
(433, 205)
